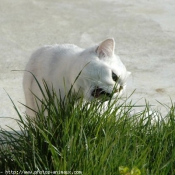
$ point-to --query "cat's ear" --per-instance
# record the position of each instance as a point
(106, 48)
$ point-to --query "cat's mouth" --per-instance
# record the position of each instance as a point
(97, 92)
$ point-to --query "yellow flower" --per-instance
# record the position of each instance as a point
(126, 171)
(135, 171)
(123, 170)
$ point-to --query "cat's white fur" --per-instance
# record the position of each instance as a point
(59, 66)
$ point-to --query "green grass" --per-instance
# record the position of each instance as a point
(76, 137)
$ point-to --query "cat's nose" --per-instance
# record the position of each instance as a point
(120, 88)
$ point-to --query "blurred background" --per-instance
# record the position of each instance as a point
(144, 32)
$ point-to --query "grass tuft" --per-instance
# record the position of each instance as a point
(73, 136)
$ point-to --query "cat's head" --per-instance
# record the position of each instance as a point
(103, 73)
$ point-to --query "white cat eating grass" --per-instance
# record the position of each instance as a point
(98, 71)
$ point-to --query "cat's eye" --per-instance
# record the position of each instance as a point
(114, 77)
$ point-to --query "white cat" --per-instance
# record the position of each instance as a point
(102, 72)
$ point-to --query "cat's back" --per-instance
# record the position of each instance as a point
(56, 50)
(51, 58)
